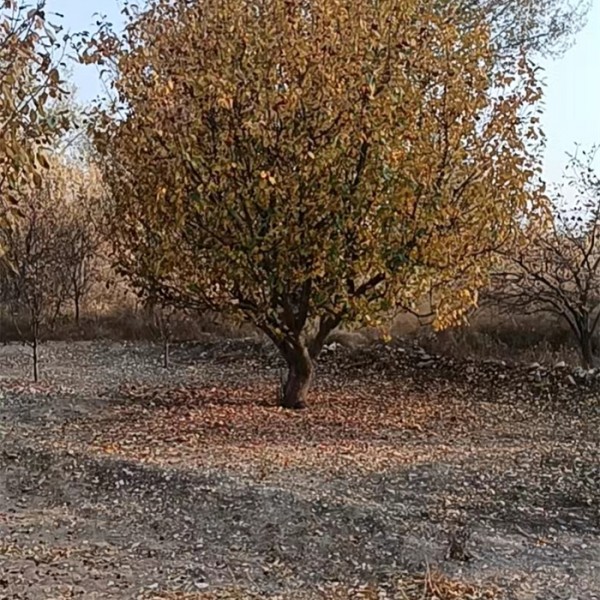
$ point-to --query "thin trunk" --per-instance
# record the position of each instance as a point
(299, 378)
(77, 308)
(166, 349)
(35, 354)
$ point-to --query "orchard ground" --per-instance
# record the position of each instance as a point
(410, 476)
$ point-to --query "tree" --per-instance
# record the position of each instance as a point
(300, 165)
(51, 249)
(33, 282)
(82, 230)
(82, 205)
(29, 84)
(161, 319)
(556, 269)
(546, 27)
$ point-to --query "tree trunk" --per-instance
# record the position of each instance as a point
(77, 308)
(166, 349)
(587, 351)
(299, 378)
(35, 356)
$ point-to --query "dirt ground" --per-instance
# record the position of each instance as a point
(410, 476)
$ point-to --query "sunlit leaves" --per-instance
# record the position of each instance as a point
(29, 83)
(301, 164)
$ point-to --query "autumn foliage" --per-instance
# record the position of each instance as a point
(29, 84)
(543, 27)
(300, 165)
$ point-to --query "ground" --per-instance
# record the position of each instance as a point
(409, 477)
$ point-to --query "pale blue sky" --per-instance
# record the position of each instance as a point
(572, 104)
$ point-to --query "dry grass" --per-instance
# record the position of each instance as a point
(492, 335)
(127, 323)
(489, 335)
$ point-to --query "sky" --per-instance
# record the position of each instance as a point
(572, 100)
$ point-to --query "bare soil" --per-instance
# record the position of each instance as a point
(410, 476)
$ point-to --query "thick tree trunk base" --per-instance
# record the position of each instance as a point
(293, 397)
(587, 351)
(294, 394)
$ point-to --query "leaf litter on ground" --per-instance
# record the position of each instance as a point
(388, 464)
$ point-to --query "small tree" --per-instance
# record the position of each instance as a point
(33, 281)
(162, 326)
(82, 231)
(303, 164)
(556, 269)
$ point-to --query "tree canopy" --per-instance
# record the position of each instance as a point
(305, 164)
(546, 27)
(29, 83)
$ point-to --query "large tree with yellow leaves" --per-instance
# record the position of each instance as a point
(306, 163)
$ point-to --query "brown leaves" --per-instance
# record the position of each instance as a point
(431, 586)
(28, 81)
(397, 452)
(238, 427)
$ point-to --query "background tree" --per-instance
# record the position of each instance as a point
(556, 270)
(51, 251)
(82, 231)
(161, 320)
(33, 282)
(302, 165)
(546, 27)
(29, 84)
